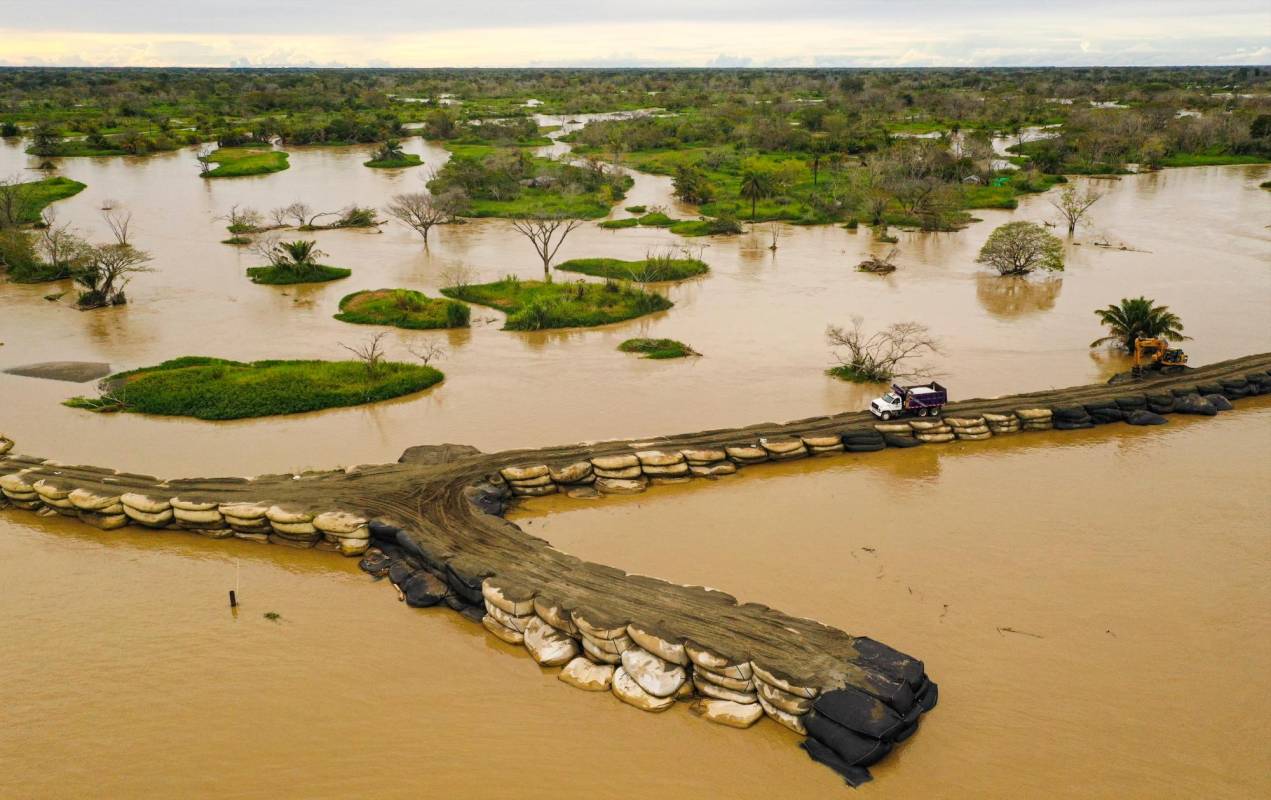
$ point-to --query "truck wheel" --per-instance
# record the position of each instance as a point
(886, 415)
(922, 412)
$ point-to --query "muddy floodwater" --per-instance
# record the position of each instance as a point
(1131, 566)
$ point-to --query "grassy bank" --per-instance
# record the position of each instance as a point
(535, 305)
(658, 348)
(284, 276)
(406, 160)
(236, 162)
(402, 308)
(1211, 159)
(37, 195)
(213, 388)
(646, 270)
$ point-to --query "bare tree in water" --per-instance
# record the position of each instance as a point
(1073, 205)
(883, 355)
(547, 233)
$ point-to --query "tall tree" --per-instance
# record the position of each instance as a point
(1138, 318)
(547, 233)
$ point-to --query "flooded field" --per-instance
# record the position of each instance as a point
(1136, 663)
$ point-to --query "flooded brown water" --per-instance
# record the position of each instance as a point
(127, 676)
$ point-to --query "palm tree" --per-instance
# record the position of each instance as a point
(390, 151)
(1138, 318)
(755, 185)
(301, 254)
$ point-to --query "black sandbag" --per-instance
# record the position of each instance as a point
(858, 712)
(853, 776)
(383, 531)
(376, 562)
(1219, 402)
(1183, 391)
(424, 590)
(1206, 389)
(1195, 404)
(864, 448)
(1073, 413)
(909, 725)
(400, 571)
(466, 579)
(1067, 425)
(900, 440)
(1105, 416)
(854, 749)
(861, 436)
(1145, 418)
(1131, 402)
(1160, 403)
(889, 661)
(473, 613)
(1092, 407)
(929, 696)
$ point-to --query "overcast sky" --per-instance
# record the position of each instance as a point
(689, 33)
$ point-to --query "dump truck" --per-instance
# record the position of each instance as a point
(922, 400)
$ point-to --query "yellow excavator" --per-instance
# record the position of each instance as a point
(1157, 354)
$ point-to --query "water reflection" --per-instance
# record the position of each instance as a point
(1010, 296)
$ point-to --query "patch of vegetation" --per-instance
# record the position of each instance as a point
(131, 142)
(658, 348)
(536, 305)
(656, 219)
(237, 240)
(1211, 160)
(275, 275)
(24, 203)
(636, 209)
(217, 389)
(236, 162)
(272, 616)
(402, 308)
(391, 156)
(646, 270)
(618, 224)
(707, 226)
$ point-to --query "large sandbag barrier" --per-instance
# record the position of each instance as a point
(432, 525)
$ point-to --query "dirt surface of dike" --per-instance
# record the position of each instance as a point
(429, 503)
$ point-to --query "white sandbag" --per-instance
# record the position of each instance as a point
(192, 505)
(547, 645)
(212, 517)
(341, 523)
(713, 470)
(525, 473)
(921, 425)
(598, 655)
(533, 483)
(243, 511)
(150, 505)
(659, 458)
(86, 500)
(792, 721)
(501, 631)
(583, 674)
(260, 525)
(897, 428)
(534, 491)
(822, 441)
(495, 596)
(354, 547)
(657, 644)
(51, 491)
(5, 445)
(783, 447)
(964, 422)
(781, 699)
(507, 620)
(554, 614)
(60, 505)
(679, 470)
(934, 438)
(834, 448)
(726, 712)
(999, 418)
(24, 497)
(770, 678)
(705, 687)
(158, 520)
(16, 482)
(105, 522)
(1039, 414)
(612, 646)
(624, 473)
(654, 675)
(625, 461)
(727, 681)
(591, 623)
(703, 657)
(975, 437)
(746, 453)
(704, 455)
(259, 538)
(613, 486)
(294, 528)
(628, 691)
(289, 515)
(573, 473)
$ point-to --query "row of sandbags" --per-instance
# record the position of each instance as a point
(280, 524)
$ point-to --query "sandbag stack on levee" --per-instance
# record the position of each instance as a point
(1035, 419)
(970, 428)
(999, 424)
(619, 474)
(708, 462)
(932, 431)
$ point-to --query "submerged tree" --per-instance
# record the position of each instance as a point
(1018, 248)
(1073, 205)
(1138, 318)
(756, 184)
(389, 151)
(547, 233)
(883, 355)
(420, 211)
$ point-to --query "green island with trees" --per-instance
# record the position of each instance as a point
(292, 262)
(654, 268)
(658, 348)
(24, 202)
(240, 161)
(539, 305)
(217, 389)
(403, 308)
(390, 155)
